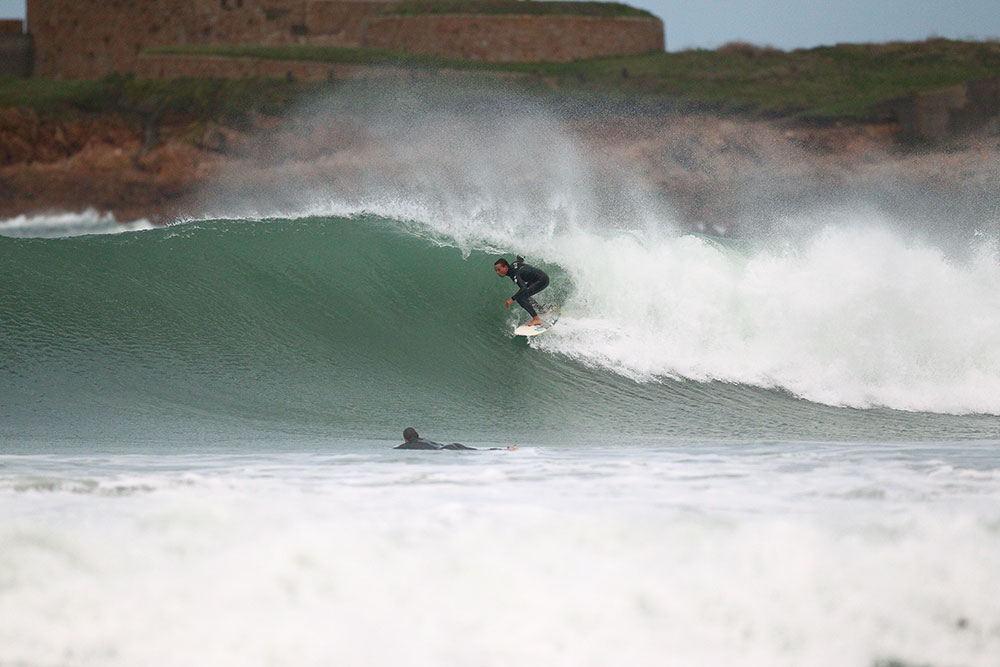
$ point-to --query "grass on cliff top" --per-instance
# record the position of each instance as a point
(847, 81)
(223, 99)
(519, 7)
(844, 82)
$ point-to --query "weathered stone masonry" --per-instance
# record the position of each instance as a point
(91, 38)
(516, 38)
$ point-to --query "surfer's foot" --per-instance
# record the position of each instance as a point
(534, 323)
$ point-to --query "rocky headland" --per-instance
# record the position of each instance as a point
(714, 171)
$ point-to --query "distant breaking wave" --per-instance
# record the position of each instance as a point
(56, 225)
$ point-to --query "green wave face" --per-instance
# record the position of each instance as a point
(334, 327)
(348, 326)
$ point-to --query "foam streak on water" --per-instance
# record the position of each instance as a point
(746, 555)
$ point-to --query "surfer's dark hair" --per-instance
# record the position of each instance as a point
(501, 262)
(410, 433)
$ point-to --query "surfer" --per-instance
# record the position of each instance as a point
(529, 279)
(414, 441)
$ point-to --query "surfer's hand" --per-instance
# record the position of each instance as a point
(507, 303)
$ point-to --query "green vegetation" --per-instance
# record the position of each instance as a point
(844, 82)
(46, 94)
(223, 99)
(605, 9)
(847, 81)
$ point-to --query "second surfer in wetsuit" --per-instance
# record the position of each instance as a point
(529, 279)
(412, 440)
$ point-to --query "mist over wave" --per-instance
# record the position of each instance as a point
(459, 159)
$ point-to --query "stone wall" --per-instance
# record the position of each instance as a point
(341, 23)
(11, 26)
(521, 38)
(91, 38)
(16, 50)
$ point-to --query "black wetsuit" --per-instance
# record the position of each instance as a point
(420, 443)
(531, 281)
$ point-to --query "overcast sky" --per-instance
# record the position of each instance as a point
(790, 24)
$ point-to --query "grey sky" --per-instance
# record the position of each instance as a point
(789, 24)
(11, 9)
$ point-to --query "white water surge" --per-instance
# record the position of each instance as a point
(747, 556)
(854, 317)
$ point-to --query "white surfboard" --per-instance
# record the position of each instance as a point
(550, 320)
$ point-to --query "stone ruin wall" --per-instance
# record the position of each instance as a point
(92, 38)
(516, 38)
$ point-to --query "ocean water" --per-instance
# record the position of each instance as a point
(765, 451)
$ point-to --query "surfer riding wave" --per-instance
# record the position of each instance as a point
(530, 281)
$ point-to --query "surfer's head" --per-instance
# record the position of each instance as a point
(410, 434)
(501, 267)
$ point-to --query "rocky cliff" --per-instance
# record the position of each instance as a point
(715, 173)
